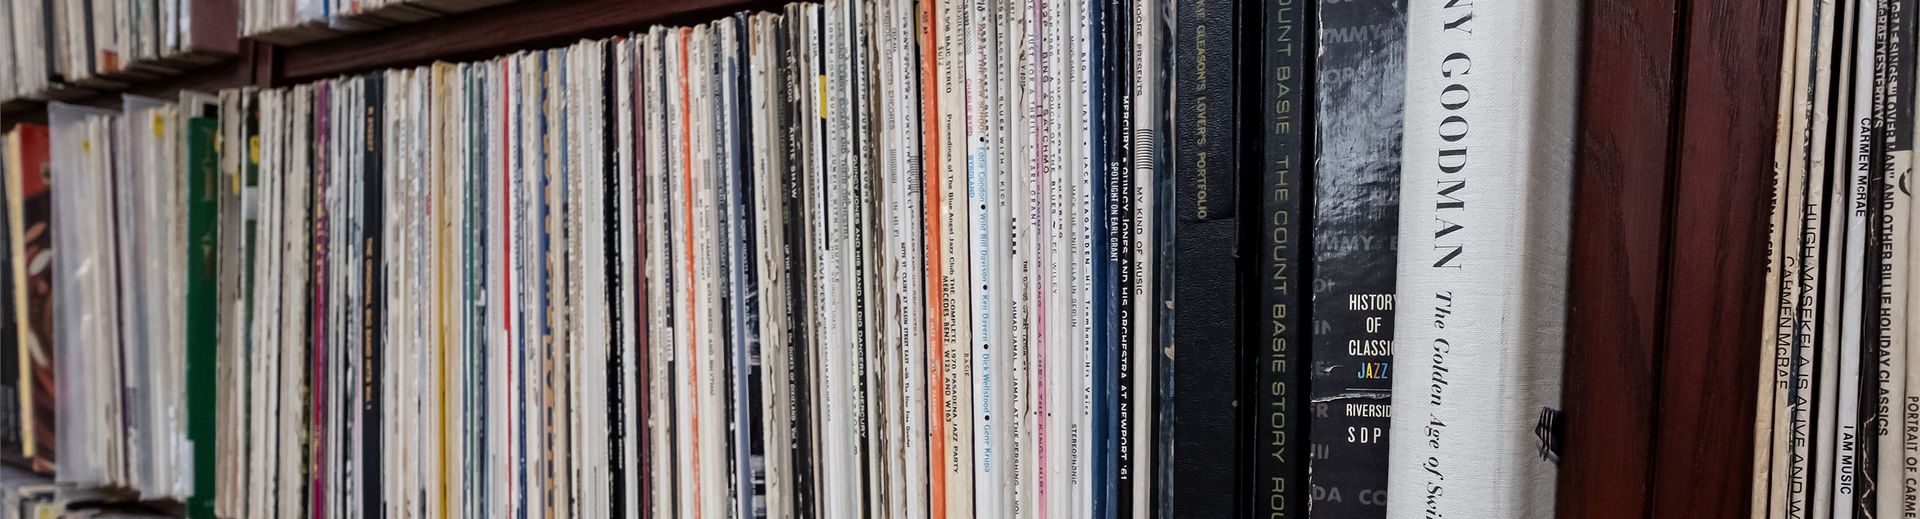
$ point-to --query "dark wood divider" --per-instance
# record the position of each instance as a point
(1618, 256)
(1723, 163)
(1670, 232)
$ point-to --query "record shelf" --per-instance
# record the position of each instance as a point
(1670, 218)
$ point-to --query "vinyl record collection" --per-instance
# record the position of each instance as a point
(139, 200)
(576, 279)
(1839, 400)
(856, 258)
(56, 49)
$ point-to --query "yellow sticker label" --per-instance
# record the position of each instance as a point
(823, 96)
(220, 146)
(159, 126)
(86, 146)
(253, 148)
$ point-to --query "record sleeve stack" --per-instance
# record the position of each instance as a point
(58, 49)
(1839, 398)
(723, 269)
(135, 202)
(855, 258)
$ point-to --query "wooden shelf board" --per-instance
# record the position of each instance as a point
(492, 31)
(225, 73)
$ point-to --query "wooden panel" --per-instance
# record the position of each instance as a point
(529, 24)
(1703, 444)
(216, 26)
(1619, 251)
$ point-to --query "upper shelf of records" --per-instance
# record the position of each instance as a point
(63, 49)
(158, 47)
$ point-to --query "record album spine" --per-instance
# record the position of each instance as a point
(1049, 309)
(1359, 76)
(1484, 212)
(1790, 206)
(1811, 207)
(323, 180)
(909, 211)
(11, 420)
(1205, 430)
(1912, 319)
(1278, 312)
(624, 302)
(1087, 271)
(793, 116)
(1153, 245)
(1099, 105)
(202, 226)
(931, 40)
(1890, 208)
(1769, 377)
(1117, 492)
(981, 307)
(866, 393)
(1016, 194)
(956, 395)
(30, 230)
(663, 484)
(748, 356)
(373, 277)
(1842, 442)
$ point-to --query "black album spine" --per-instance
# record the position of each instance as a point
(1120, 207)
(1878, 412)
(755, 480)
(373, 275)
(614, 170)
(1277, 344)
(792, 113)
(1358, 83)
(1163, 215)
(1205, 412)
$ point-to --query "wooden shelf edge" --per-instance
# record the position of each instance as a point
(492, 31)
(229, 72)
(479, 34)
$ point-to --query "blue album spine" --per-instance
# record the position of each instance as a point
(1102, 261)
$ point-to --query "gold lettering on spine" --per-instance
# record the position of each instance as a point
(1282, 248)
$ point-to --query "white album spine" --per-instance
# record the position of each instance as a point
(1764, 416)
(1083, 109)
(956, 361)
(980, 203)
(908, 196)
(1148, 92)
(1486, 196)
(1846, 242)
